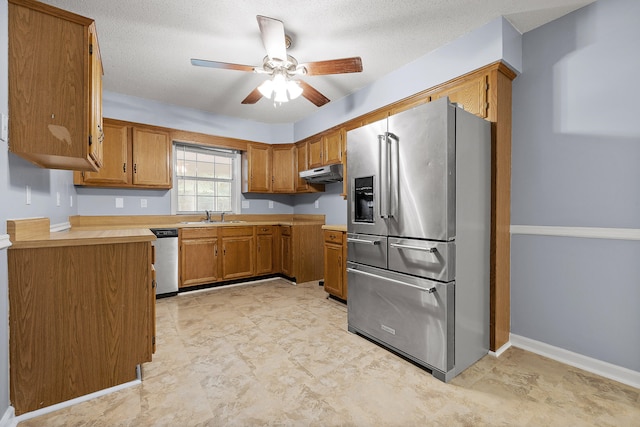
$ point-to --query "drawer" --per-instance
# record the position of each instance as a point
(434, 260)
(195, 233)
(236, 231)
(285, 230)
(264, 229)
(367, 249)
(331, 236)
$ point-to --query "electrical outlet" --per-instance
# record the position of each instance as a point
(28, 194)
(317, 204)
(57, 198)
(270, 204)
(4, 127)
(70, 201)
(245, 204)
(119, 202)
(143, 203)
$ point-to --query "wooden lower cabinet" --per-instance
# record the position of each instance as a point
(198, 253)
(265, 250)
(285, 251)
(80, 328)
(238, 253)
(335, 258)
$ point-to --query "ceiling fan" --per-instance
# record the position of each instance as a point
(283, 69)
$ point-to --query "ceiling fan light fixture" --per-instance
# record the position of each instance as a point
(266, 88)
(294, 89)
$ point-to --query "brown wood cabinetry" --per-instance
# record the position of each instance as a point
(301, 251)
(238, 252)
(315, 152)
(471, 94)
(333, 147)
(265, 250)
(335, 259)
(256, 169)
(198, 254)
(302, 164)
(135, 156)
(283, 168)
(80, 328)
(286, 265)
(55, 87)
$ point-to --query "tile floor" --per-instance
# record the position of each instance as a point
(273, 353)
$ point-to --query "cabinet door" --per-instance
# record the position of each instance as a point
(285, 255)
(315, 153)
(95, 79)
(237, 257)
(115, 169)
(151, 158)
(471, 94)
(49, 92)
(264, 251)
(333, 266)
(283, 169)
(302, 164)
(333, 147)
(259, 165)
(198, 261)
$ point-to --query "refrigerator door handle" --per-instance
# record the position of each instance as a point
(384, 183)
(366, 242)
(394, 173)
(415, 248)
(366, 273)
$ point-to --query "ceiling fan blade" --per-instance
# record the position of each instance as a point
(272, 31)
(222, 65)
(312, 94)
(253, 97)
(334, 66)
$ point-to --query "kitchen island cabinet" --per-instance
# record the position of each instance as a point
(81, 310)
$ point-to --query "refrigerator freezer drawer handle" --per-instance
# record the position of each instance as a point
(415, 248)
(364, 273)
(366, 242)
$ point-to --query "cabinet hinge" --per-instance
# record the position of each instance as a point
(153, 340)
(90, 49)
(90, 141)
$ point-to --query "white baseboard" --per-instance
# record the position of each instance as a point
(598, 367)
(8, 419)
(72, 402)
(501, 350)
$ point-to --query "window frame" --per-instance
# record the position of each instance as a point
(236, 183)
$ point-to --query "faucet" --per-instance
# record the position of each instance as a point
(222, 217)
(208, 214)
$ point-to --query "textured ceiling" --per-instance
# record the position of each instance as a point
(146, 45)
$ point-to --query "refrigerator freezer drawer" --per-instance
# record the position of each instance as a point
(411, 315)
(367, 249)
(434, 260)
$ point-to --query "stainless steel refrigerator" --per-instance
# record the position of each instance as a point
(419, 200)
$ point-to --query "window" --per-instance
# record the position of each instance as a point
(205, 179)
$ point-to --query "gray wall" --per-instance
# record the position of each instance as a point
(576, 151)
(330, 204)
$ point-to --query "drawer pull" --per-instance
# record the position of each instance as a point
(366, 242)
(415, 248)
(388, 279)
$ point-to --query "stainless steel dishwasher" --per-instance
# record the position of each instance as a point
(166, 265)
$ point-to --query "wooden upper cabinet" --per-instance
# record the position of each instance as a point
(471, 94)
(151, 155)
(115, 170)
(333, 147)
(315, 152)
(256, 169)
(134, 157)
(302, 164)
(55, 84)
(283, 168)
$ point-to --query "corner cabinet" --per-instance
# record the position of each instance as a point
(135, 156)
(55, 87)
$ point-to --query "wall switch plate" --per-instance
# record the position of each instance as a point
(4, 127)
(270, 204)
(57, 198)
(245, 204)
(317, 204)
(119, 202)
(28, 194)
(143, 203)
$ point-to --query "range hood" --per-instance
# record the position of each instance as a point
(323, 175)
